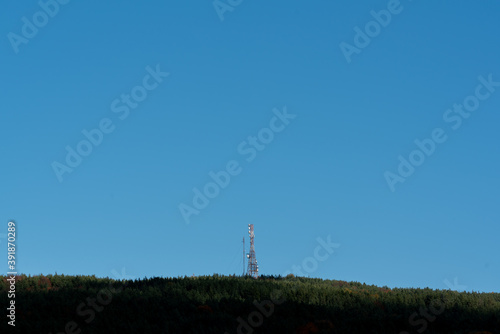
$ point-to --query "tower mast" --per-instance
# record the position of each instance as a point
(253, 268)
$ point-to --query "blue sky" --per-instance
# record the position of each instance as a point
(324, 173)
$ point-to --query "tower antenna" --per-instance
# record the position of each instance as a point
(244, 256)
(253, 268)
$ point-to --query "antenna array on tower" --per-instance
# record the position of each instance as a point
(253, 268)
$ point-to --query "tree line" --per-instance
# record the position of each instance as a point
(236, 304)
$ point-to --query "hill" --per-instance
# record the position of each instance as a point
(233, 304)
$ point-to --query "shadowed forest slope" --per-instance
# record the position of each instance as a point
(235, 304)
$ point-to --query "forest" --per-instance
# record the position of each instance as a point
(240, 304)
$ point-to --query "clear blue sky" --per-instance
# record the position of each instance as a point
(323, 174)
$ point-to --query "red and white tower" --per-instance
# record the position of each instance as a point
(253, 268)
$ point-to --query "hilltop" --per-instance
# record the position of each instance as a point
(235, 304)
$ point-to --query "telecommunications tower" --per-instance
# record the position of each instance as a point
(253, 268)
